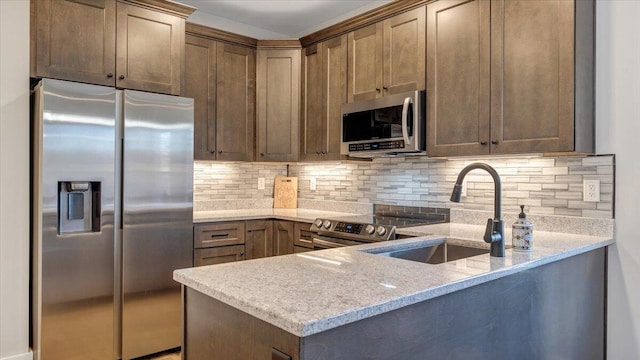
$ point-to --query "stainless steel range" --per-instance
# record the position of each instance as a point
(362, 229)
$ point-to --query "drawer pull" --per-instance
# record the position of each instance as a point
(219, 235)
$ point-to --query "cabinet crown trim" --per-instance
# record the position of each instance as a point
(279, 44)
(370, 17)
(208, 32)
(168, 6)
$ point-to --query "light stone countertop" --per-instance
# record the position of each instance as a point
(308, 293)
(300, 215)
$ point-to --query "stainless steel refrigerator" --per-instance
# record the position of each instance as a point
(112, 191)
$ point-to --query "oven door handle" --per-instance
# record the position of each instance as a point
(324, 244)
(405, 121)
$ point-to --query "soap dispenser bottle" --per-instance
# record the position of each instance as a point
(522, 233)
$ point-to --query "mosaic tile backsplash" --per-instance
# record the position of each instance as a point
(545, 185)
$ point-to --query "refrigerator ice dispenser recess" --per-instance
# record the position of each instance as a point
(78, 207)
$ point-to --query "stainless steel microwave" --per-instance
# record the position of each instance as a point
(391, 125)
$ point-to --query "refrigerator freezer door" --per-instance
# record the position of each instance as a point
(157, 217)
(73, 267)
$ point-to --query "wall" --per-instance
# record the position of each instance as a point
(618, 128)
(550, 186)
(14, 180)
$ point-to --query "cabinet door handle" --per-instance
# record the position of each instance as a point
(385, 88)
(261, 154)
(121, 77)
(494, 142)
(378, 89)
(219, 151)
(110, 75)
(219, 235)
(483, 142)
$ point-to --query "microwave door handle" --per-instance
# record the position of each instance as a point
(405, 120)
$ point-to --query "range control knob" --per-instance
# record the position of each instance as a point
(327, 224)
(381, 231)
(370, 229)
(318, 223)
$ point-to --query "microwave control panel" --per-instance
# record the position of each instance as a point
(377, 145)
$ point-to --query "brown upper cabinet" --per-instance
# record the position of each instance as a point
(278, 98)
(324, 90)
(200, 84)
(128, 44)
(221, 78)
(387, 57)
(507, 77)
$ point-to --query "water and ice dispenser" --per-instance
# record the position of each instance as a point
(78, 206)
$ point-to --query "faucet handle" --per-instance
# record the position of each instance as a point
(490, 233)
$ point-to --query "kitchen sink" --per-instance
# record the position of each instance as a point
(436, 254)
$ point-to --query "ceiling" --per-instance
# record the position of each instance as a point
(276, 19)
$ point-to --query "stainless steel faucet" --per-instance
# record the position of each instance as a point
(494, 234)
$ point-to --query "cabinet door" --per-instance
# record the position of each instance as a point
(259, 239)
(236, 114)
(283, 237)
(532, 76)
(218, 255)
(458, 77)
(200, 84)
(365, 63)
(150, 50)
(334, 90)
(403, 52)
(311, 124)
(75, 40)
(278, 105)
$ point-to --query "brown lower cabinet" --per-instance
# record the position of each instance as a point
(218, 255)
(259, 239)
(220, 242)
(302, 238)
(283, 237)
(533, 315)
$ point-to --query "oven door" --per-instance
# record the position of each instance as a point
(330, 242)
(392, 124)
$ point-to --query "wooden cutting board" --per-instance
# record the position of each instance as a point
(285, 193)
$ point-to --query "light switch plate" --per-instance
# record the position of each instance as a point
(312, 184)
(260, 183)
(591, 190)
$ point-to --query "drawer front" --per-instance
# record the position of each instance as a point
(302, 236)
(218, 255)
(221, 234)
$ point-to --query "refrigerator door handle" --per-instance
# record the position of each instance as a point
(118, 221)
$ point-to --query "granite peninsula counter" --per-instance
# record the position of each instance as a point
(308, 296)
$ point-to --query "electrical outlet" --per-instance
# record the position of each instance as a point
(464, 188)
(312, 184)
(260, 183)
(591, 190)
